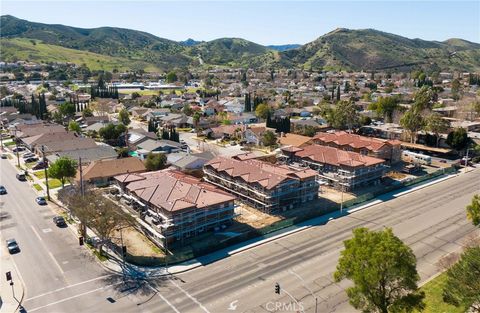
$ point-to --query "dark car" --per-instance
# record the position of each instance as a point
(4, 156)
(30, 160)
(12, 246)
(59, 221)
(40, 165)
(21, 177)
(19, 149)
(41, 200)
(3, 191)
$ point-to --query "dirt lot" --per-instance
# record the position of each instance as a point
(254, 217)
(335, 195)
(137, 244)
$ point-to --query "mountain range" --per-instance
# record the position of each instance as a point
(342, 49)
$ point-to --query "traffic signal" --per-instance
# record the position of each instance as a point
(9, 275)
(277, 288)
(80, 240)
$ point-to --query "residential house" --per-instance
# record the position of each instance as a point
(85, 156)
(181, 205)
(294, 140)
(101, 172)
(261, 184)
(344, 169)
(156, 146)
(254, 134)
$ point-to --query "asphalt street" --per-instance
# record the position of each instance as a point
(60, 276)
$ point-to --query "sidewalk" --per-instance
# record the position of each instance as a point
(8, 303)
(114, 263)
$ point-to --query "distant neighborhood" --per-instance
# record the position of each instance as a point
(225, 153)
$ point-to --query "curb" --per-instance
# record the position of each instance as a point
(313, 222)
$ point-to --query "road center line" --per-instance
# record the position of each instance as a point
(188, 295)
(164, 299)
(73, 297)
(66, 287)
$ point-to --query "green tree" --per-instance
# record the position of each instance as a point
(473, 211)
(425, 98)
(385, 107)
(463, 284)
(262, 110)
(458, 139)
(111, 133)
(124, 117)
(87, 112)
(383, 271)
(343, 116)
(73, 126)
(413, 122)
(123, 152)
(67, 110)
(155, 161)
(171, 77)
(63, 168)
(269, 138)
(187, 110)
(436, 124)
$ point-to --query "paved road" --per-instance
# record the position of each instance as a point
(432, 221)
(59, 277)
(50, 257)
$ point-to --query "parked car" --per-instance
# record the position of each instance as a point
(59, 221)
(443, 161)
(28, 155)
(12, 246)
(4, 156)
(18, 149)
(41, 200)
(30, 160)
(21, 176)
(40, 165)
(3, 191)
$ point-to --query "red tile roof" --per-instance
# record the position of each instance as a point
(336, 157)
(254, 171)
(355, 141)
(173, 190)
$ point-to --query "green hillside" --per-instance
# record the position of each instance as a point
(33, 50)
(341, 49)
(372, 49)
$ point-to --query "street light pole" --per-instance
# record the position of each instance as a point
(46, 172)
(16, 145)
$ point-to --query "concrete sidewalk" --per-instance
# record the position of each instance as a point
(10, 296)
(114, 263)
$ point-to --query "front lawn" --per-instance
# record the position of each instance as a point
(37, 187)
(433, 297)
(52, 182)
(8, 143)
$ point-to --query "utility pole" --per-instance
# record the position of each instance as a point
(123, 254)
(466, 161)
(341, 203)
(82, 190)
(46, 172)
(16, 145)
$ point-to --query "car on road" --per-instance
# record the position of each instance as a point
(442, 161)
(41, 200)
(59, 221)
(3, 191)
(12, 246)
(30, 160)
(4, 156)
(21, 176)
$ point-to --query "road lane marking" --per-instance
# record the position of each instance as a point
(164, 299)
(49, 253)
(188, 295)
(73, 297)
(66, 287)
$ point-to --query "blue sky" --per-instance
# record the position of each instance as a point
(264, 22)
